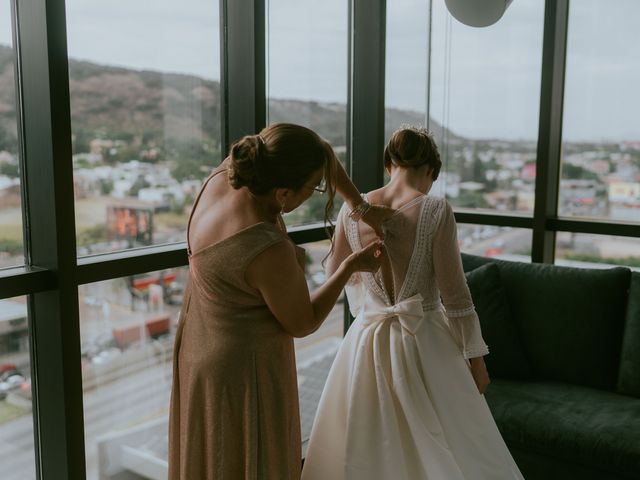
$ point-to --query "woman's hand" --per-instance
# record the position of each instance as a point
(479, 373)
(375, 217)
(368, 259)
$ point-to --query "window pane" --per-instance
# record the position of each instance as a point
(145, 111)
(601, 132)
(315, 353)
(485, 94)
(499, 242)
(407, 63)
(307, 47)
(17, 455)
(127, 329)
(11, 239)
(597, 251)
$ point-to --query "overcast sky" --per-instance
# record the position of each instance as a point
(484, 82)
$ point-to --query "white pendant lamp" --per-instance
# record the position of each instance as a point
(477, 13)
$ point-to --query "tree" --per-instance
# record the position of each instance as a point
(471, 200)
(139, 184)
(106, 186)
(576, 172)
(9, 169)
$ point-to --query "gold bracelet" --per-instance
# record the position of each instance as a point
(359, 211)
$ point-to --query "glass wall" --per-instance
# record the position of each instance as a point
(145, 112)
(597, 251)
(127, 329)
(600, 176)
(484, 103)
(307, 53)
(407, 64)
(315, 353)
(499, 242)
(145, 116)
(17, 455)
(11, 237)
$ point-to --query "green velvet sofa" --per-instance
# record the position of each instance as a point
(565, 365)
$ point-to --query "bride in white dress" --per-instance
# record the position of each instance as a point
(403, 399)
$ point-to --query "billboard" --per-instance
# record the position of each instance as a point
(130, 223)
(624, 192)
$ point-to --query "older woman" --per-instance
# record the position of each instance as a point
(234, 404)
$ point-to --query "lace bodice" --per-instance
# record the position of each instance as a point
(424, 258)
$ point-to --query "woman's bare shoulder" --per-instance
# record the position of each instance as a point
(393, 199)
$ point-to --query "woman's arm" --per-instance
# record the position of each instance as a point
(453, 288)
(375, 215)
(346, 188)
(281, 281)
(463, 319)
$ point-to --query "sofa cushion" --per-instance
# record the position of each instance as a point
(629, 379)
(471, 262)
(506, 357)
(586, 426)
(570, 319)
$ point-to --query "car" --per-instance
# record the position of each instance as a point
(8, 373)
(6, 367)
(10, 380)
(174, 293)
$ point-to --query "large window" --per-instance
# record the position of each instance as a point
(315, 353)
(149, 119)
(307, 51)
(127, 328)
(145, 110)
(506, 243)
(11, 248)
(597, 251)
(600, 176)
(484, 102)
(407, 64)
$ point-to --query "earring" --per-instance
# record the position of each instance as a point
(282, 207)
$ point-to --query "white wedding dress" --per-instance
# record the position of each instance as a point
(400, 401)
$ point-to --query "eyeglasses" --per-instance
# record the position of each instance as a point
(321, 187)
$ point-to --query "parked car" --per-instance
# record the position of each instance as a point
(6, 367)
(10, 380)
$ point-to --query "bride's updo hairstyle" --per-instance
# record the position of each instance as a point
(413, 147)
(282, 155)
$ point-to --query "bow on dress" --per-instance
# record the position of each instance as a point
(409, 312)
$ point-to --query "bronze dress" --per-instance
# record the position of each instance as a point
(234, 401)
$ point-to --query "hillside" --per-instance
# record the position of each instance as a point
(153, 108)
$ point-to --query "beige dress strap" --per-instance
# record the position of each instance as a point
(195, 204)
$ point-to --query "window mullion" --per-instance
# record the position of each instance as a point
(556, 14)
(366, 92)
(43, 79)
(242, 77)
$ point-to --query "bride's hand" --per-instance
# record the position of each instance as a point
(368, 259)
(479, 373)
(375, 217)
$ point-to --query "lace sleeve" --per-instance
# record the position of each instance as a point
(341, 247)
(447, 264)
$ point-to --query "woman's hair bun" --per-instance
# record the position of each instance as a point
(247, 155)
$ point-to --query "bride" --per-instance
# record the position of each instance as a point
(403, 399)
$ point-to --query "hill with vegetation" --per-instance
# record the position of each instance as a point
(177, 114)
